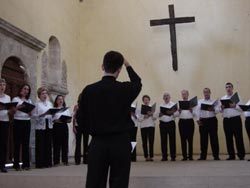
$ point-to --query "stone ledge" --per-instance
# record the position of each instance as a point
(57, 89)
(21, 36)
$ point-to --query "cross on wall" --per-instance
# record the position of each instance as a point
(171, 21)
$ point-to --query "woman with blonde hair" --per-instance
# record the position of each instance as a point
(43, 130)
(21, 128)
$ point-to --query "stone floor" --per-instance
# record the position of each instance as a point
(157, 174)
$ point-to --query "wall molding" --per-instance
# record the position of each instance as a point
(21, 35)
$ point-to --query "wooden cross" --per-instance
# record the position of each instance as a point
(171, 22)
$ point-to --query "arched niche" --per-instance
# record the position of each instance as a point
(54, 60)
(54, 71)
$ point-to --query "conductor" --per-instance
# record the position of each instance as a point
(105, 111)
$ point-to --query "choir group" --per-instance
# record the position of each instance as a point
(202, 111)
(51, 135)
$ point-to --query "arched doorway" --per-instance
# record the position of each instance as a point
(14, 74)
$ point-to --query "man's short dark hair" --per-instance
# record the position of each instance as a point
(206, 88)
(229, 84)
(145, 96)
(112, 61)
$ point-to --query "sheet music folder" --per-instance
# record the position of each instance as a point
(133, 144)
(8, 105)
(206, 107)
(166, 111)
(28, 107)
(133, 108)
(234, 99)
(245, 107)
(52, 111)
(65, 119)
(145, 109)
(185, 105)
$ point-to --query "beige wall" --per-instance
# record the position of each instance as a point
(46, 18)
(43, 19)
(213, 50)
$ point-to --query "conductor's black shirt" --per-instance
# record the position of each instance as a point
(105, 105)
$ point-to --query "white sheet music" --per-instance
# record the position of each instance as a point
(133, 144)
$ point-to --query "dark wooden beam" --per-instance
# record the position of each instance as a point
(171, 21)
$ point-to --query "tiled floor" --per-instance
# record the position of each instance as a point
(157, 174)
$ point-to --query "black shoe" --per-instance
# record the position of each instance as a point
(242, 158)
(173, 159)
(201, 159)
(164, 159)
(39, 167)
(230, 158)
(191, 159)
(4, 170)
(85, 159)
(18, 169)
(184, 159)
(248, 160)
(56, 164)
(216, 158)
(26, 168)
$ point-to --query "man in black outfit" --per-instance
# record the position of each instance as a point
(105, 111)
(81, 133)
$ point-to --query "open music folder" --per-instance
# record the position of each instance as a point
(145, 109)
(185, 105)
(166, 111)
(207, 107)
(245, 107)
(234, 99)
(65, 119)
(52, 111)
(28, 107)
(8, 105)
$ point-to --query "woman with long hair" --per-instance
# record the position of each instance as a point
(60, 131)
(21, 128)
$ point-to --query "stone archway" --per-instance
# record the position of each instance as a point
(17, 45)
(14, 73)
